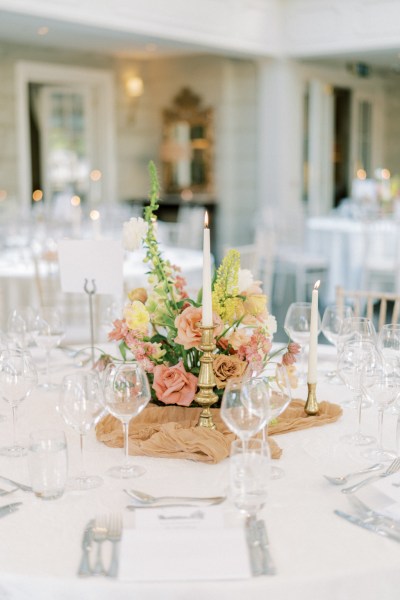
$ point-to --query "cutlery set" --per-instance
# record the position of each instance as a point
(261, 561)
(366, 517)
(96, 533)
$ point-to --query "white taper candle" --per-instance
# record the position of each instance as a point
(313, 347)
(207, 318)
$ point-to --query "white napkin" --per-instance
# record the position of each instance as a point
(183, 544)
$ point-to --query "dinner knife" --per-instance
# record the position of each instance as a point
(268, 566)
(253, 545)
(21, 486)
(84, 568)
(9, 508)
(379, 529)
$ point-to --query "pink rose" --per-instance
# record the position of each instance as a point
(188, 326)
(173, 385)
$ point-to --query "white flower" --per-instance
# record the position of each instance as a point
(133, 233)
(245, 279)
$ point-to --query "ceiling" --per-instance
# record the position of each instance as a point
(25, 29)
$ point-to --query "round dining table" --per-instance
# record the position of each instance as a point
(316, 553)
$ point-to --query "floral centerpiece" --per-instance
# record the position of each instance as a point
(160, 327)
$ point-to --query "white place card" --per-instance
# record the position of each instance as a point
(97, 260)
(183, 544)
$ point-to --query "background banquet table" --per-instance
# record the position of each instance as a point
(317, 554)
(345, 243)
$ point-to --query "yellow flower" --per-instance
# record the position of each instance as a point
(157, 352)
(136, 316)
(256, 305)
(138, 294)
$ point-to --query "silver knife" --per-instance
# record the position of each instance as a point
(268, 566)
(9, 508)
(253, 545)
(21, 486)
(379, 529)
(84, 568)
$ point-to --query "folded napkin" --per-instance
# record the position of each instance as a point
(171, 431)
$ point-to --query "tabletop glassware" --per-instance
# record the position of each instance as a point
(18, 378)
(389, 346)
(359, 364)
(19, 327)
(249, 475)
(126, 394)
(48, 332)
(332, 320)
(48, 463)
(81, 406)
(245, 406)
(384, 391)
(280, 396)
(297, 326)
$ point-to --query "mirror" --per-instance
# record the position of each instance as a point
(187, 145)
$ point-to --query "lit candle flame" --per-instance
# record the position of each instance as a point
(206, 220)
(317, 284)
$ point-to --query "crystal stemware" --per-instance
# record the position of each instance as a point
(249, 475)
(297, 326)
(389, 346)
(359, 364)
(332, 321)
(280, 396)
(80, 404)
(384, 391)
(245, 406)
(18, 377)
(48, 331)
(19, 327)
(126, 394)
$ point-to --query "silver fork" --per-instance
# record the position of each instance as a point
(99, 533)
(114, 536)
(392, 468)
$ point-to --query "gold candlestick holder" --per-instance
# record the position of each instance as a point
(206, 382)
(311, 406)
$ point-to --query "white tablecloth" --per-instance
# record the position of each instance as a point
(317, 554)
(343, 242)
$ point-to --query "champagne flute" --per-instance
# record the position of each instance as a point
(80, 404)
(358, 365)
(18, 377)
(297, 326)
(126, 394)
(48, 331)
(245, 406)
(331, 323)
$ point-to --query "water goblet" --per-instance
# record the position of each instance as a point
(48, 331)
(297, 326)
(245, 406)
(126, 394)
(19, 327)
(359, 364)
(80, 404)
(384, 391)
(332, 320)
(18, 378)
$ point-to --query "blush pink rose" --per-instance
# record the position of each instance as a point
(173, 385)
(188, 326)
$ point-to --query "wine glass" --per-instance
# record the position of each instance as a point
(126, 394)
(359, 364)
(245, 406)
(383, 391)
(80, 404)
(389, 346)
(48, 331)
(280, 396)
(331, 323)
(18, 377)
(297, 326)
(19, 327)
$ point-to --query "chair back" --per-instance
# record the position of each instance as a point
(364, 302)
